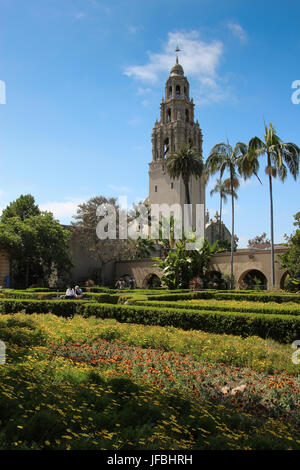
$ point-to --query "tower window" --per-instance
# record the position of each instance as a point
(155, 188)
(169, 115)
(166, 147)
(172, 185)
(177, 90)
(185, 94)
(170, 91)
(187, 117)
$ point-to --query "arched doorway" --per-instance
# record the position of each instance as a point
(151, 281)
(253, 279)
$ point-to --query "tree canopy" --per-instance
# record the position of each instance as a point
(36, 243)
(259, 239)
(291, 259)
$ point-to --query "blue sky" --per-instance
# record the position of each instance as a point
(84, 81)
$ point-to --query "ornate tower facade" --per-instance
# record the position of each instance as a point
(176, 126)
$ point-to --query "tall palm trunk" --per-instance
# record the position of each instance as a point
(188, 202)
(220, 226)
(232, 231)
(272, 223)
(187, 191)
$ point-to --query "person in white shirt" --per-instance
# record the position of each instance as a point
(69, 293)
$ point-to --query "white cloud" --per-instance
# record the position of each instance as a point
(200, 61)
(62, 209)
(237, 30)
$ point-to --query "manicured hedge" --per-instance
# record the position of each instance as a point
(103, 298)
(26, 294)
(255, 297)
(99, 289)
(259, 297)
(282, 328)
(39, 289)
(19, 294)
(285, 309)
(63, 308)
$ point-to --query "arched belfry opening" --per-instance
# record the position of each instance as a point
(178, 92)
(169, 115)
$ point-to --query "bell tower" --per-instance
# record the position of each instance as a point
(176, 127)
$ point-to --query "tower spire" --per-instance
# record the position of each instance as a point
(177, 50)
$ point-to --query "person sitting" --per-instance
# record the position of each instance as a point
(120, 284)
(78, 293)
(70, 294)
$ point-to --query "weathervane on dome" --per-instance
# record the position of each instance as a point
(177, 50)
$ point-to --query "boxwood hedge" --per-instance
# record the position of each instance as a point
(255, 297)
(280, 309)
(282, 328)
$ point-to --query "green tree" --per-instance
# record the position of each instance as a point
(137, 249)
(85, 224)
(38, 246)
(185, 163)
(290, 260)
(22, 208)
(181, 265)
(178, 267)
(223, 158)
(281, 158)
(259, 239)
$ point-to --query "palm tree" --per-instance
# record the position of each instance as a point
(221, 189)
(185, 163)
(223, 158)
(281, 158)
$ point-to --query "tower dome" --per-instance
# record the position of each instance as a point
(176, 70)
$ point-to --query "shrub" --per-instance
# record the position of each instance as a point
(212, 305)
(282, 328)
(98, 289)
(225, 295)
(63, 308)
